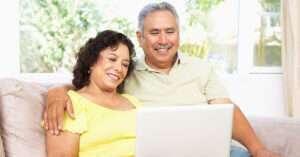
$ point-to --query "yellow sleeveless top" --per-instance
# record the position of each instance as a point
(103, 132)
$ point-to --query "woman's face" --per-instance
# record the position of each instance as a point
(111, 68)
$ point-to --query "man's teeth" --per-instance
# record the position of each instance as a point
(162, 50)
(114, 77)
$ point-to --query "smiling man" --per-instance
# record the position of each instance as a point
(165, 76)
(159, 39)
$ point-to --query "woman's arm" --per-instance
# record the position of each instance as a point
(64, 145)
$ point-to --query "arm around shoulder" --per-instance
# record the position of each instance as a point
(57, 101)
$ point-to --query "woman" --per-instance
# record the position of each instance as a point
(104, 122)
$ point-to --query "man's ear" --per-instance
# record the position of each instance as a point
(139, 38)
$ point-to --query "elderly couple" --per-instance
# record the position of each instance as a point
(108, 87)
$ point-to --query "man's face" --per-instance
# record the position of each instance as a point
(161, 38)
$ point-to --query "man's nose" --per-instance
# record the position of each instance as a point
(163, 38)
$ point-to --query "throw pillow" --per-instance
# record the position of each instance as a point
(21, 109)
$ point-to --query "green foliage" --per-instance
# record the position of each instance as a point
(267, 52)
(197, 50)
(209, 48)
(199, 9)
(52, 31)
(270, 5)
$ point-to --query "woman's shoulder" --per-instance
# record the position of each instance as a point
(133, 100)
(79, 102)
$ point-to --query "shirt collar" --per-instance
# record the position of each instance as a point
(141, 63)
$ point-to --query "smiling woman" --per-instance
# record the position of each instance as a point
(102, 65)
(110, 54)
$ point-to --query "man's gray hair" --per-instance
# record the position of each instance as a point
(148, 9)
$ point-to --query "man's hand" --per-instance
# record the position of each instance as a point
(57, 101)
(243, 132)
(266, 153)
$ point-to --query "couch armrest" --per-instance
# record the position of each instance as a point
(278, 134)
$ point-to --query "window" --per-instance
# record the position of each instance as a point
(267, 43)
(259, 36)
(235, 36)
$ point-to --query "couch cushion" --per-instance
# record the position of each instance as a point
(1, 147)
(278, 134)
(21, 108)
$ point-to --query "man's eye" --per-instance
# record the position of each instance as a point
(154, 33)
(170, 32)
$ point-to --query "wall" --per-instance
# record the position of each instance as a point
(9, 18)
(257, 94)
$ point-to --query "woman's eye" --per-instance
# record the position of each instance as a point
(125, 65)
(112, 59)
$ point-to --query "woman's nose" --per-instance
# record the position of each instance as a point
(118, 66)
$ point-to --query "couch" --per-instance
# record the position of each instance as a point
(22, 104)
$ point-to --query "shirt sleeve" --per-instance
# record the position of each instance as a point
(79, 124)
(214, 88)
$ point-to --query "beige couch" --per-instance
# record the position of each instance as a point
(22, 103)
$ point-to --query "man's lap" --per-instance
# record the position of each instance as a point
(236, 151)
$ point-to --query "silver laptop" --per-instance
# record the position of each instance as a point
(184, 131)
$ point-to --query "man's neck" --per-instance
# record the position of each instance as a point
(162, 67)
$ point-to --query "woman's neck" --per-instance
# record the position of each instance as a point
(95, 91)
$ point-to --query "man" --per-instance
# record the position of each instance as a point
(164, 76)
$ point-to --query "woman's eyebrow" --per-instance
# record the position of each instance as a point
(118, 56)
(112, 54)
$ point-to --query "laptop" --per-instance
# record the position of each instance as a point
(189, 131)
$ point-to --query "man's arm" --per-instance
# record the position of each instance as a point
(243, 132)
(57, 101)
(64, 145)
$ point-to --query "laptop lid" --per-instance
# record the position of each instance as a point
(177, 131)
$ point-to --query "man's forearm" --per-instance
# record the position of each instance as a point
(243, 132)
(64, 88)
(57, 101)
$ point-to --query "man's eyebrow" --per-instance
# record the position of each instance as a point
(154, 30)
(170, 29)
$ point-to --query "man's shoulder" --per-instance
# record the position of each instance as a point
(196, 62)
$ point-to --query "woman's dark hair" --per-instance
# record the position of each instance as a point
(90, 52)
